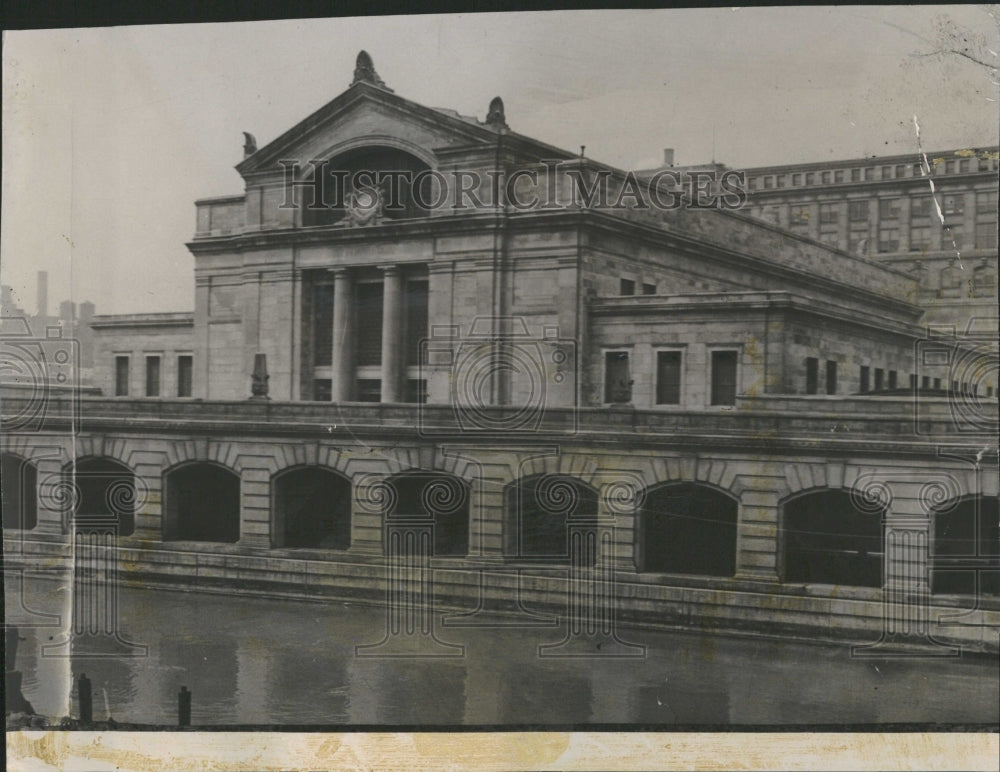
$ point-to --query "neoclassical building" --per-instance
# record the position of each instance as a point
(470, 362)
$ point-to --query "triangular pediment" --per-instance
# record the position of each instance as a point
(368, 114)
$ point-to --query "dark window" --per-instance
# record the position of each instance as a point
(185, 370)
(202, 504)
(121, 376)
(688, 528)
(543, 509)
(986, 235)
(423, 496)
(893, 379)
(826, 177)
(838, 176)
(152, 376)
(913, 382)
(858, 211)
(963, 165)
(668, 377)
(986, 204)
(900, 171)
(888, 208)
(369, 390)
(828, 540)
(831, 377)
(888, 238)
(828, 213)
(312, 508)
(18, 492)
(879, 379)
(966, 536)
(812, 375)
(920, 238)
(809, 178)
(416, 319)
(416, 390)
(855, 175)
(954, 204)
(106, 496)
(627, 287)
(648, 289)
(864, 379)
(322, 389)
(369, 316)
(617, 383)
(920, 206)
(723, 377)
(925, 383)
(937, 383)
(323, 325)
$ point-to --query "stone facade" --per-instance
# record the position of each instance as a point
(715, 420)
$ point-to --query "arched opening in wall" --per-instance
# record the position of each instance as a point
(688, 528)
(393, 173)
(202, 503)
(829, 538)
(105, 495)
(443, 497)
(541, 511)
(966, 542)
(312, 508)
(18, 492)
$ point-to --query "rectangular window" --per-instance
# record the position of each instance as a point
(963, 165)
(918, 170)
(796, 179)
(369, 318)
(831, 377)
(809, 178)
(986, 204)
(185, 370)
(322, 389)
(768, 183)
(826, 178)
(752, 183)
(984, 164)
(812, 375)
(954, 204)
(879, 379)
(949, 167)
(617, 382)
(780, 180)
(893, 376)
(369, 390)
(953, 235)
(838, 176)
(121, 376)
(920, 206)
(888, 239)
(416, 319)
(857, 242)
(152, 376)
(913, 382)
(648, 289)
(986, 235)
(723, 377)
(627, 287)
(668, 377)
(864, 379)
(888, 208)
(900, 171)
(800, 216)
(858, 211)
(416, 390)
(937, 383)
(886, 172)
(855, 175)
(925, 383)
(920, 238)
(828, 213)
(322, 325)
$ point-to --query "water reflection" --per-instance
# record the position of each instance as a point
(258, 661)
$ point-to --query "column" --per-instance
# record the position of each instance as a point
(392, 332)
(343, 336)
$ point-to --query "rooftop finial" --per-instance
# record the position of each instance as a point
(364, 71)
(495, 117)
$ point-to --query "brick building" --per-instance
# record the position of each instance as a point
(698, 402)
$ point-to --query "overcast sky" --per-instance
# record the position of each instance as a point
(110, 134)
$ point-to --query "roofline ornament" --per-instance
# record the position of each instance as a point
(364, 71)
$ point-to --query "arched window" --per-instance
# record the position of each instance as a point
(442, 497)
(398, 199)
(541, 510)
(312, 508)
(18, 492)
(829, 538)
(966, 542)
(688, 528)
(106, 495)
(202, 503)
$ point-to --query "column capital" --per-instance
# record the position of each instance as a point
(339, 270)
(390, 270)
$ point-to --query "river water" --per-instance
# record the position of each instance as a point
(271, 661)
